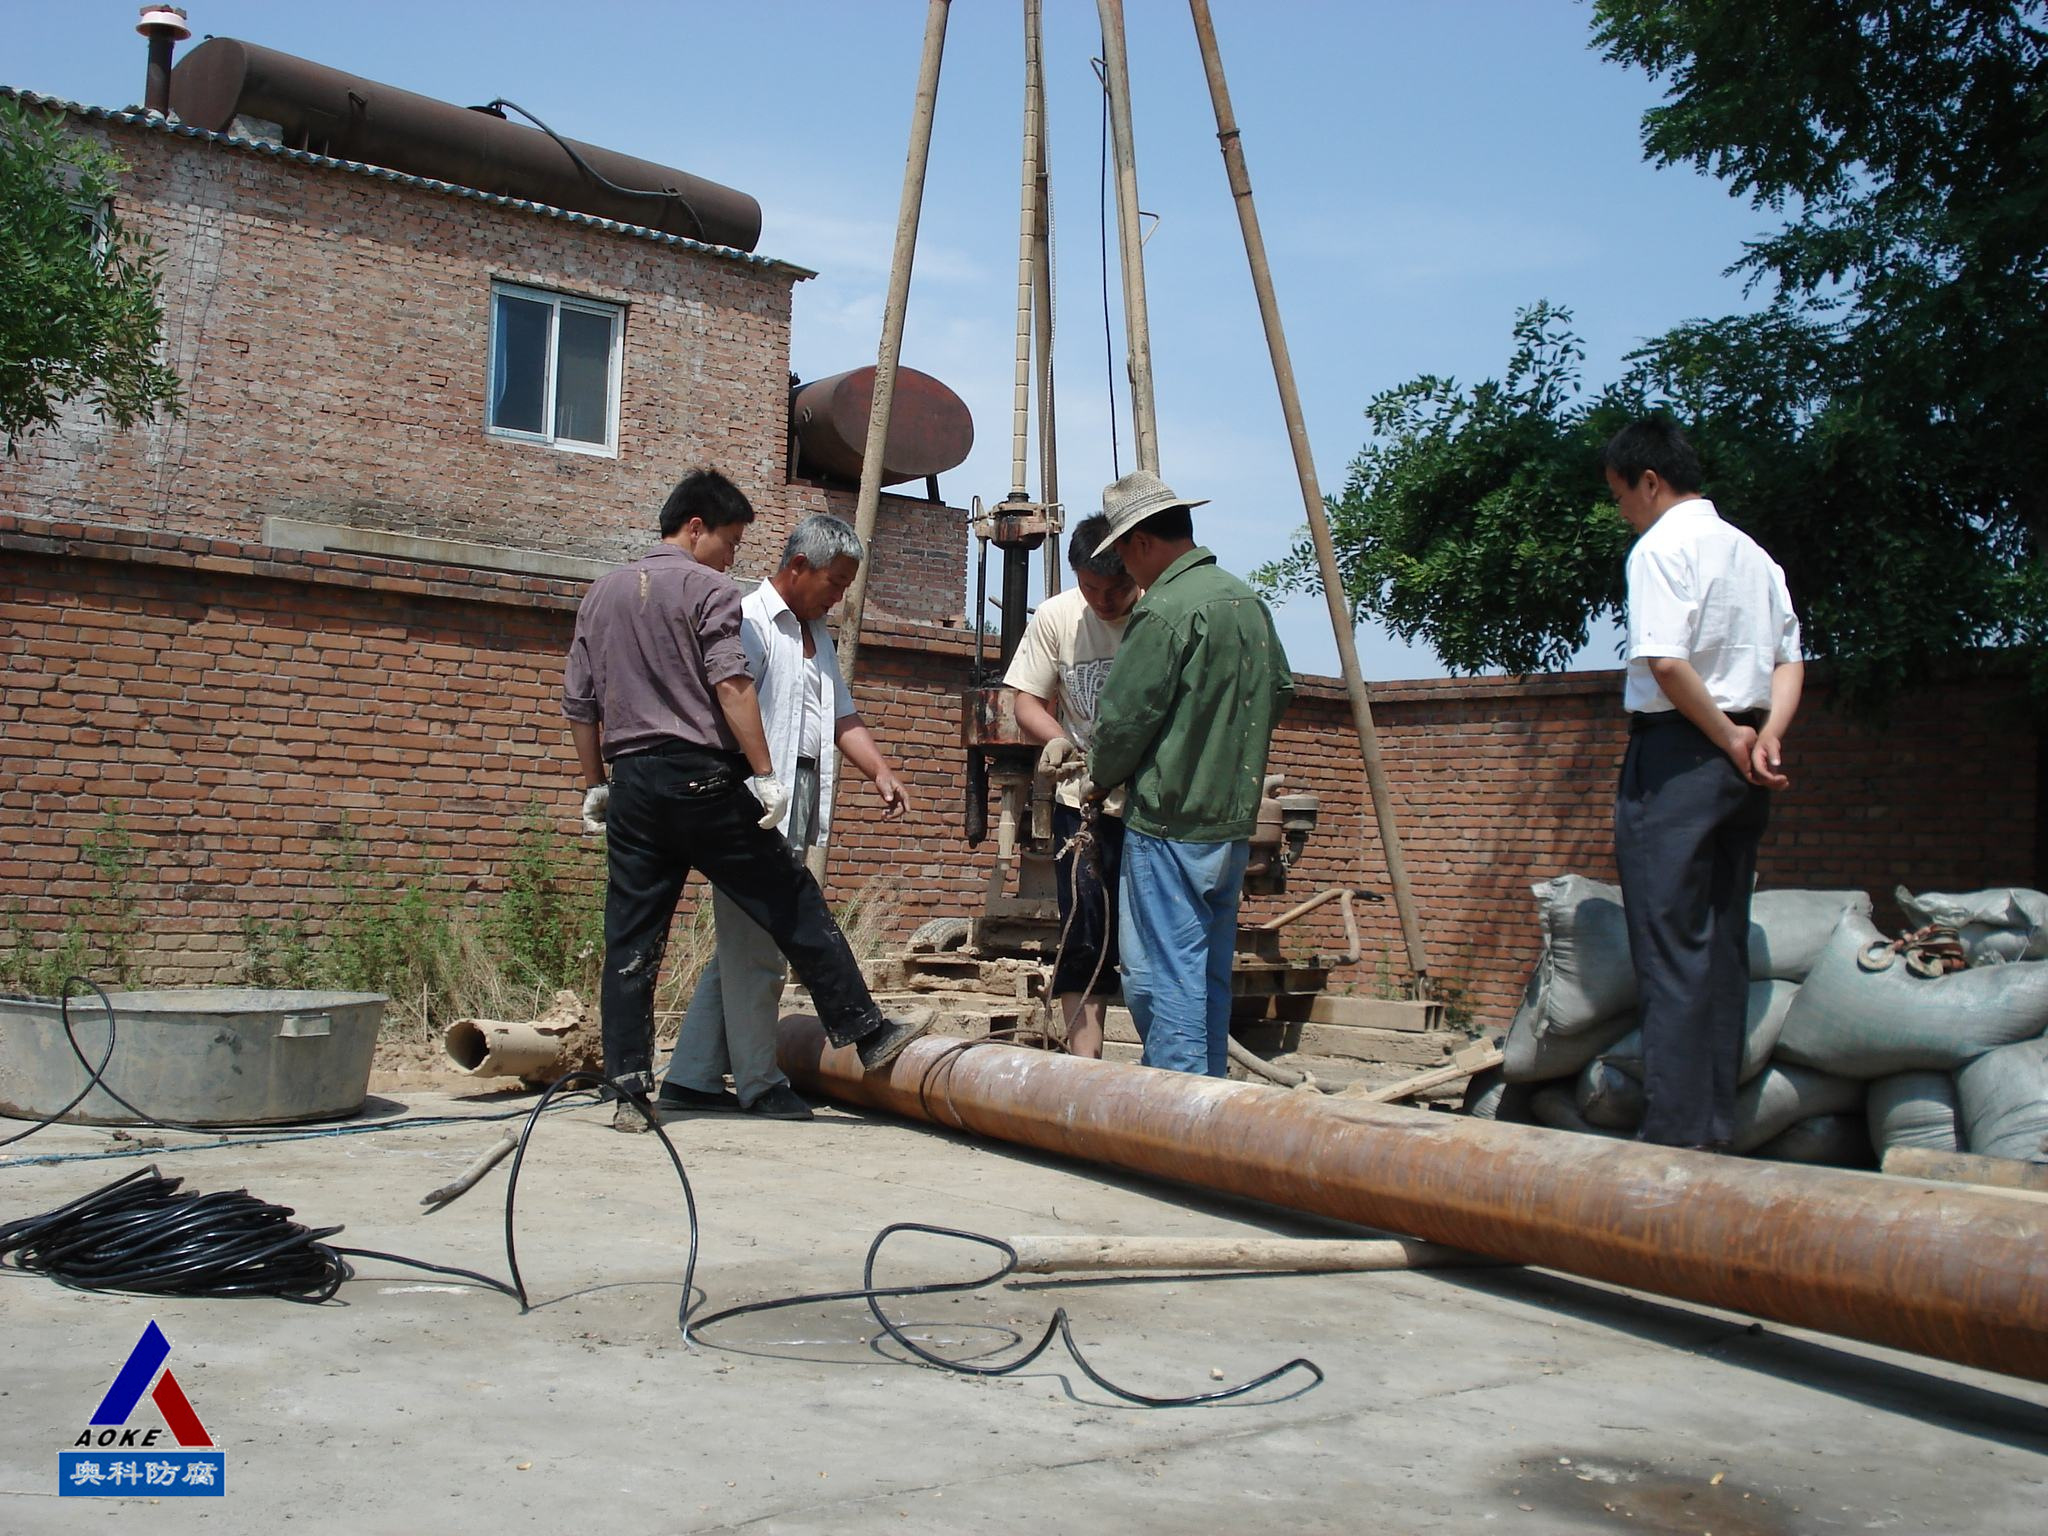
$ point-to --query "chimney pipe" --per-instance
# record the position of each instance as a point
(164, 26)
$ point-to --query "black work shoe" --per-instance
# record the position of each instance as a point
(885, 1044)
(779, 1103)
(676, 1096)
(632, 1115)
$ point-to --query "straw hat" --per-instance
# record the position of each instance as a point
(1133, 499)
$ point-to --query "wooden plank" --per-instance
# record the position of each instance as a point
(1051, 1255)
(1476, 1057)
(1361, 1012)
(1396, 1047)
(1271, 1037)
(1966, 1168)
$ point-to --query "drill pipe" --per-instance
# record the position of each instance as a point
(1940, 1270)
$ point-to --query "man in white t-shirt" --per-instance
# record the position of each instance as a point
(806, 710)
(1714, 678)
(1057, 675)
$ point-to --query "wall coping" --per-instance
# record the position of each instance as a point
(463, 583)
(466, 584)
(228, 557)
(411, 548)
(115, 544)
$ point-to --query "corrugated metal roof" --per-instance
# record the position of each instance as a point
(152, 122)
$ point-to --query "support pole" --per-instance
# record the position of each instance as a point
(886, 358)
(1116, 79)
(1943, 1270)
(1311, 496)
(1048, 431)
(1027, 253)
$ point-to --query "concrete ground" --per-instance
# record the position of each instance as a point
(1456, 1400)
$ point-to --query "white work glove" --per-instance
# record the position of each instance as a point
(773, 797)
(597, 801)
(1062, 759)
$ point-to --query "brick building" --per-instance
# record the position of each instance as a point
(329, 590)
(350, 343)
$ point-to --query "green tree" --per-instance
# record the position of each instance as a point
(1475, 519)
(1882, 425)
(79, 307)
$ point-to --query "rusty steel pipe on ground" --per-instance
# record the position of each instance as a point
(1941, 1270)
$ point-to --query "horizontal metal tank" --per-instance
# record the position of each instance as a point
(331, 113)
(211, 1056)
(930, 428)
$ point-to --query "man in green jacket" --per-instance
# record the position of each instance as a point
(1185, 720)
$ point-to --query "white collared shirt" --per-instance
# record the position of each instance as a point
(1065, 657)
(774, 642)
(1704, 591)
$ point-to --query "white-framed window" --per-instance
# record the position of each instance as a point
(555, 363)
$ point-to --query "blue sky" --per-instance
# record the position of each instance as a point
(1421, 169)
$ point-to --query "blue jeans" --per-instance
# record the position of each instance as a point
(1178, 934)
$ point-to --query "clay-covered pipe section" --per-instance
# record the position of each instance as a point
(1946, 1271)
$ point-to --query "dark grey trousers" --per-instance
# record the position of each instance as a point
(1686, 829)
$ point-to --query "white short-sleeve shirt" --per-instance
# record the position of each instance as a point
(1065, 657)
(791, 688)
(1704, 591)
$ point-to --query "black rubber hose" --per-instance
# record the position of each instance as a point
(1057, 1327)
(664, 194)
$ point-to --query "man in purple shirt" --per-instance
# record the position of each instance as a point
(668, 732)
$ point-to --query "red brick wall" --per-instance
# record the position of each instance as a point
(237, 702)
(236, 708)
(1498, 783)
(332, 330)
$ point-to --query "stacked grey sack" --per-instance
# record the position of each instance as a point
(1955, 1062)
(1574, 1053)
(1840, 1060)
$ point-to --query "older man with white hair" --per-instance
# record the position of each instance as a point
(807, 710)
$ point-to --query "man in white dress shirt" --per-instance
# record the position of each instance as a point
(806, 709)
(1714, 677)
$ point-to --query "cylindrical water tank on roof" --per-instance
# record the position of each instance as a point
(331, 113)
(930, 428)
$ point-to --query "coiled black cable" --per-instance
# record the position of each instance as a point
(143, 1234)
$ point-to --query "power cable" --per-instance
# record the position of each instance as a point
(92, 1079)
(667, 194)
(144, 1234)
(1102, 241)
(1058, 1327)
(251, 1135)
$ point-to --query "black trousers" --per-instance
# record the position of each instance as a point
(681, 808)
(1087, 896)
(1686, 829)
